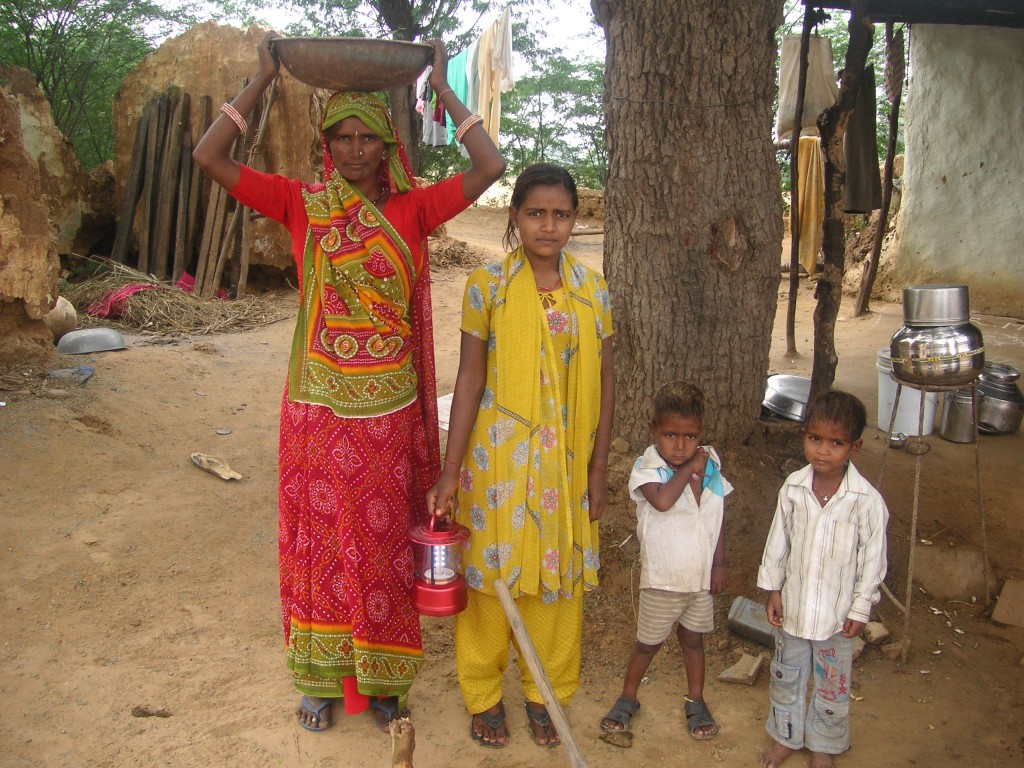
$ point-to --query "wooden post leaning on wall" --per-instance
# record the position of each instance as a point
(155, 146)
(167, 190)
(132, 188)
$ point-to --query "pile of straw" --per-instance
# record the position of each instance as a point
(167, 309)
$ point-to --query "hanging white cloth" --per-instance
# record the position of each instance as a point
(821, 91)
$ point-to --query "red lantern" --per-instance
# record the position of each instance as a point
(438, 588)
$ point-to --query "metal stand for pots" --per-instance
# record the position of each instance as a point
(918, 449)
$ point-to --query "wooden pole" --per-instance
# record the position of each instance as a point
(529, 654)
(871, 268)
(832, 127)
(794, 184)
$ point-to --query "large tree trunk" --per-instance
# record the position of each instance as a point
(693, 213)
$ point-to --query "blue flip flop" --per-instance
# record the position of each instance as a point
(317, 712)
(385, 709)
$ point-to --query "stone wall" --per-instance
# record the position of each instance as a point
(80, 205)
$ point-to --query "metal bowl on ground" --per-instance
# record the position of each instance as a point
(897, 440)
(87, 340)
(353, 63)
(787, 396)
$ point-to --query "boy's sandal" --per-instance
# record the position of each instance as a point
(698, 716)
(622, 713)
(541, 719)
(495, 721)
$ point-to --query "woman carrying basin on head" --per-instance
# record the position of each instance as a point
(358, 441)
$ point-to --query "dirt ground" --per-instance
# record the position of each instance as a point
(140, 617)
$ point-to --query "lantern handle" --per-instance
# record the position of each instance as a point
(446, 515)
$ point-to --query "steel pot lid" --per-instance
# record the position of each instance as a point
(936, 305)
(787, 395)
(1000, 372)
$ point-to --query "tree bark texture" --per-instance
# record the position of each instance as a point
(832, 127)
(693, 215)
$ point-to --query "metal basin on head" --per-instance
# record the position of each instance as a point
(353, 63)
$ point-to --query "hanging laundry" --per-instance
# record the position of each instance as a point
(810, 201)
(494, 71)
(863, 192)
(435, 130)
(821, 90)
(458, 82)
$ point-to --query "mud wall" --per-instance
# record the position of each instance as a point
(961, 214)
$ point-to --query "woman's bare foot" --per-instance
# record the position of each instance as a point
(314, 714)
(821, 760)
(775, 755)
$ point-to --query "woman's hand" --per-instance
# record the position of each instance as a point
(442, 493)
(597, 492)
(438, 78)
(269, 61)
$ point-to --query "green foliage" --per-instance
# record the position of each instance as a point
(556, 114)
(79, 52)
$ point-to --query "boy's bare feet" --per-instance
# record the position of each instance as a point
(821, 760)
(775, 755)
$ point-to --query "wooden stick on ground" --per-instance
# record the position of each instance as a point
(529, 654)
(403, 742)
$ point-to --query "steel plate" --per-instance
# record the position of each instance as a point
(787, 396)
(353, 63)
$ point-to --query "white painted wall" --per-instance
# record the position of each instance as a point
(962, 215)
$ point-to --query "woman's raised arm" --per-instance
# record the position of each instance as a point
(213, 152)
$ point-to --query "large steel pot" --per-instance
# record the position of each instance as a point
(945, 356)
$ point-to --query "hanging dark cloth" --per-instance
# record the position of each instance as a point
(863, 180)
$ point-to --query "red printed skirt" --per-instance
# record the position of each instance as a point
(346, 498)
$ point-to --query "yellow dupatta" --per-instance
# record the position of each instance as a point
(547, 439)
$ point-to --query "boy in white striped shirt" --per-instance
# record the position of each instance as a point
(822, 566)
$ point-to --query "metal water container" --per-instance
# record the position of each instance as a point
(937, 345)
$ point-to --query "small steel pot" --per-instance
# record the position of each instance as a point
(1002, 407)
(947, 356)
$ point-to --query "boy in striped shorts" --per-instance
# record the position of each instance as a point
(679, 491)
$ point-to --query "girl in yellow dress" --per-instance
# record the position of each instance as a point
(527, 451)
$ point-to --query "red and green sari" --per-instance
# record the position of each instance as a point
(359, 445)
